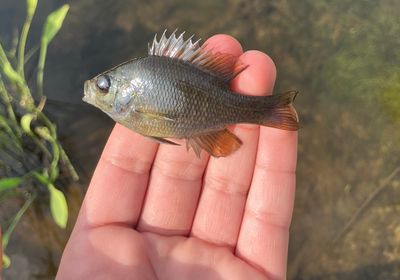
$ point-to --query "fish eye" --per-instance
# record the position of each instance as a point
(103, 83)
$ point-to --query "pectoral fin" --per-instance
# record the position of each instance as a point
(163, 140)
(218, 144)
(154, 116)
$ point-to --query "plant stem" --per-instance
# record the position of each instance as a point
(15, 133)
(18, 216)
(22, 43)
(366, 203)
(42, 60)
(15, 78)
(41, 146)
(9, 72)
(63, 154)
(3, 56)
(31, 52)
(68, 164)
(7, 101)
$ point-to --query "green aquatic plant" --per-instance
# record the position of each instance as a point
(390, 98)
(31, 156)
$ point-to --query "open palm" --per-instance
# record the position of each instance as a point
(157, 212)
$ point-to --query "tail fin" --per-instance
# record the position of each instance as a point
(280, 112)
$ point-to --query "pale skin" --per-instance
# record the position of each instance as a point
(157, 212)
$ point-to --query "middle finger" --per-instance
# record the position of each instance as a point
(176, 177)
(227, 180)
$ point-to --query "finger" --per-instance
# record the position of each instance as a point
(227, 180)
(118, 186)
(176, 177)
(224, 44)
(263, 238)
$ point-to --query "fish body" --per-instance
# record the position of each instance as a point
(181, 90)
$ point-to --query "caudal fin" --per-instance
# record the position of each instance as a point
(280, 112)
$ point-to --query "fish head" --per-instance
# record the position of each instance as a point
(100, 92)
(112, 92)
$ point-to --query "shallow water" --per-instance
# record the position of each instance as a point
(343, 56)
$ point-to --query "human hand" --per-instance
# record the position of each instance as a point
(157, 212)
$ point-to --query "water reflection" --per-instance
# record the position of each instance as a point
(344, 58)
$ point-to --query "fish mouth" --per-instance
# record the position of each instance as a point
(86, 92)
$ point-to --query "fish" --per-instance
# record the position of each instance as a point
(180, 90)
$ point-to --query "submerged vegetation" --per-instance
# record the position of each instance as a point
(31, 156)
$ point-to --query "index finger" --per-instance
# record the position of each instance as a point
(118, 186)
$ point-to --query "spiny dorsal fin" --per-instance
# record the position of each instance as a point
(218, 143)
(222, 65)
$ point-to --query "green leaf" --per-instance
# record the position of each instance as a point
(53, 24)
(26, 123)
(9, 183)
(42, 178)
(44, 132)
(58, 206)
(51, 27)
(6, 261)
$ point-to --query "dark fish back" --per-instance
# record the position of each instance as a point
(196, 100)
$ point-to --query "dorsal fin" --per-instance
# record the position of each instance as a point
(222, 65)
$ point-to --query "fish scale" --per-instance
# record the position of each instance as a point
(194, 111)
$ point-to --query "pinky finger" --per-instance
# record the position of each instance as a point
(264, 235)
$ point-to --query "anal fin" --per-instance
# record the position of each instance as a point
(218, 144)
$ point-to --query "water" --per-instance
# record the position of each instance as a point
(343, 56)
